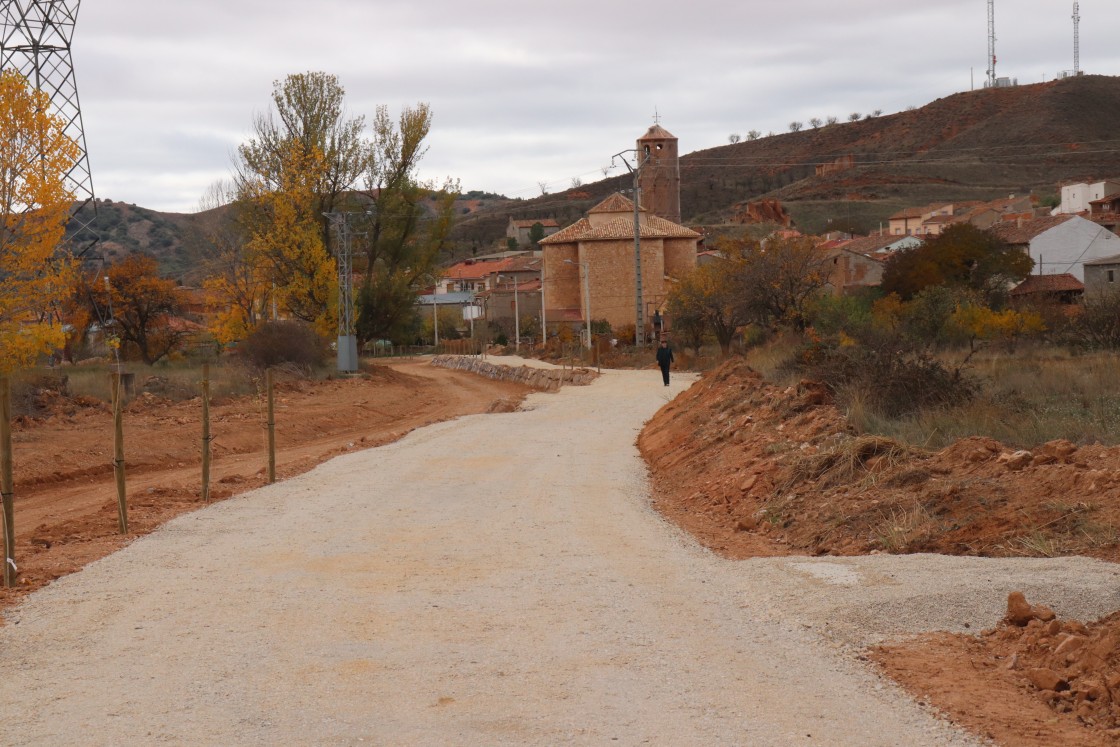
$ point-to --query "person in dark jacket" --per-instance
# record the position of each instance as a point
(664, 358)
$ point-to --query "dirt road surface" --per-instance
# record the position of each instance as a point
(498, 579)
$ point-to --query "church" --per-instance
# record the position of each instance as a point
(602, 245)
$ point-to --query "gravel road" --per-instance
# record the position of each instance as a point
(499, 579)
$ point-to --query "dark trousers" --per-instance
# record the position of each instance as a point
(665, 374)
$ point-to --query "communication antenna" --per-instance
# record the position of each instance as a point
(991, 43)
(1076, 39)
(36, 43)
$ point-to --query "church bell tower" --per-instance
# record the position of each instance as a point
(660, 178)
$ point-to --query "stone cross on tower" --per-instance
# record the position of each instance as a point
(35, 42)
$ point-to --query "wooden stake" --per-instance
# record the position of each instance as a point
(6, 487)
(205, 432)
(118, 451)
(271, 428)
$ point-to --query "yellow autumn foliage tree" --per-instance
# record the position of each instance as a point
(35, 202)
(285, 246)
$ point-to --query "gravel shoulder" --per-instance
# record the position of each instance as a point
(494, 579)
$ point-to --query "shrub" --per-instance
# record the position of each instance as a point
(275, 343)
(889, 378)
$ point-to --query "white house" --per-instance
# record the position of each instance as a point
(1060, 243)
(1076, 197)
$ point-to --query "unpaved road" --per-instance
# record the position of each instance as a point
(495, 579)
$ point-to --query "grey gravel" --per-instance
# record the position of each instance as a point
(499, 579)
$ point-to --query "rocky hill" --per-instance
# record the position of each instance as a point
(975, 145)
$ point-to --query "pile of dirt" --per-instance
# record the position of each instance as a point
(753, 469)
(1033, 680)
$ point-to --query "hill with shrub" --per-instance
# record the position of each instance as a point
(973, 145)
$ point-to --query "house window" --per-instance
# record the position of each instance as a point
(1112, 276)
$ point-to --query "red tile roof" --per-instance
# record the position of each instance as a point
(652, 227)
(616, 203)
(472, 270)
(1015, 233)
(1058, 283)
(657, 132)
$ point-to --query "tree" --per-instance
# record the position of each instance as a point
(775, 281)
(815, 122)
(409, 223)
(309, 111)
(284, 241)
(754, 135)
(733, 138)
(141, 305)
(536, 233)
(795, 126)
(35, 203)
(961, 256)
(854, 117)
(705, 299)
(830, 121)
(295, 168)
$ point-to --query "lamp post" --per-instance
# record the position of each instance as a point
(586, 297)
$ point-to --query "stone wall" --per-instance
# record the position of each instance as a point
(541, 379)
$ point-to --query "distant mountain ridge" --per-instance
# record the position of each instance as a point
(974, 145)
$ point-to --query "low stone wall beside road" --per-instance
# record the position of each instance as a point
(542, 379)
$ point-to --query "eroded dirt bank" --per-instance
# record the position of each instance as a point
(65, 507)
(755, 470)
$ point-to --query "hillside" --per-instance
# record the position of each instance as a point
(974, 145)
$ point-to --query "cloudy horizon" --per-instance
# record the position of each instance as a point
(523, 95)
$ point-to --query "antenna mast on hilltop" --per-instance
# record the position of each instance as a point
(1076, 39)
(36, 43)
(991, 43)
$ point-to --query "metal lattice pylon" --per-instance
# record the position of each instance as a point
(36, 43)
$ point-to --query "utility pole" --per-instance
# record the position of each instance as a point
(347, 353)
(636, 171)
(35, 41)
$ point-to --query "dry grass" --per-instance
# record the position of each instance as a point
(902, 527)
(1027, 399)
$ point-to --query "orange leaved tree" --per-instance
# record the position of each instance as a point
(35, 202)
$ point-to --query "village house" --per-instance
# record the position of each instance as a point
(1060, 243)
(1102, 276)
(603, 244)
(1060, 288)
(932, 220)
(520, 230)
(1078, 197)
(858, 263)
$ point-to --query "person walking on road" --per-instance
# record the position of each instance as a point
(664, 358)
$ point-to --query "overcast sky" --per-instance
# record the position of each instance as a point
(526, 92)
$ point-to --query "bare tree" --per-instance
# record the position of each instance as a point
(754, 135)
(815, 122)
(576, 182)
(543, 187)
(795, 126)
(733, 138)
(854, 117)
(876, 113)
(831, 121)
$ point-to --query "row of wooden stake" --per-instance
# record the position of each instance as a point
(7, 490)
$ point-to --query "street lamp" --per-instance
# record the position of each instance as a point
(586, 296)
